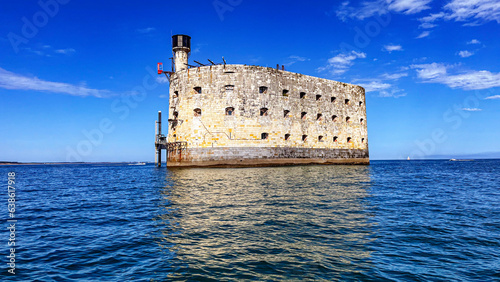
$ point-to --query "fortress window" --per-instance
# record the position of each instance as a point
(361, 121)
(333, 99)
(335, 138)
(318, 97)
(346, 101)
(319, 117)
(362, 140)
(264, 136)
(176, 94)
(320, 138)
(303, 115)
(197, 90)
(229, 88)
(304, 138)
(348, 139)
(347, 119)
(197, 112)
(360, 103)
(334, 118)
(229, 111)
(285, 92)
(302, 95)
(285, 113)
(176, 115)
(287, 136)
(263, 90)
(263, 112)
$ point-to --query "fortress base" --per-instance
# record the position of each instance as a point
(275, 156)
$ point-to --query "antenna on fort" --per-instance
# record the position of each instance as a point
(200, 63)
(211, 61)
(224, 60)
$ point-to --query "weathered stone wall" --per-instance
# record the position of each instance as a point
(237, 87)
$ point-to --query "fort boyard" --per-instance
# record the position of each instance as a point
(240, 115)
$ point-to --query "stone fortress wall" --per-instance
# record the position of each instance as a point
(250, 115)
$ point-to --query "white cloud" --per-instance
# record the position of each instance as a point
(10, 80)
(465, 54)
(66, 51)
(393, 92)
(340, 64)
(493, 97)
(471, 109)
(381, 7)
(146, 30)
(376, 85)
(470, 80)
(394, 76)
(390, 48)
(472, 12)
(474, 41)
(293, 59)
(423, 34)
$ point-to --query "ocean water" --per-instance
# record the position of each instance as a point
(389, 221)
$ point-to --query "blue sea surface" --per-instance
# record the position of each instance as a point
(389, 221)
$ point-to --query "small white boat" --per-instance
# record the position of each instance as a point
(453, 160)
(408, 158)
(138, 164)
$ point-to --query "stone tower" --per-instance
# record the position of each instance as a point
(181, 47)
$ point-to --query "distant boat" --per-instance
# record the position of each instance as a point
(408, 158)
(139, 163)
(453, 160)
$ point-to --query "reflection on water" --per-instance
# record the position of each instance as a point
(305, 222)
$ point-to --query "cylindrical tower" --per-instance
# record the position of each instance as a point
(181, 46)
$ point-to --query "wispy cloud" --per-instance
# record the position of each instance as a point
(65, 51)
(394, 76)
(390, 48)
(474, 41)
(493, 97)
(471, 109)
(380, 7)
(293, 59)
(342, 62)
(10, 80)
(471, 12)
(146, 30)
(374, 86)
(423, 34)
(465, 54)
(469, 80)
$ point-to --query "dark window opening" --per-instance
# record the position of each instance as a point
(334, 118)
(264, 135)
(285, 92)
(229, 88)
(347, 101)
(362, 140)
(360, 103)
(197, 112)
(176, 94)
(333, 99)
(335, 138)
(303, 115)
(229, 111)
(176, 115)
(318, 97)
(348, 139)
(263, 89)
(320, 138)
(319, 117)
(304, 138)
(197, 90)
(287, 136)
(302, 95)
(361, 121)
(285, 113)
(263, 112)
(347, 119)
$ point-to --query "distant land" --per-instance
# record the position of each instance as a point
(66, 163)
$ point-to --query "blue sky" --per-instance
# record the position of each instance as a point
(77, 78)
